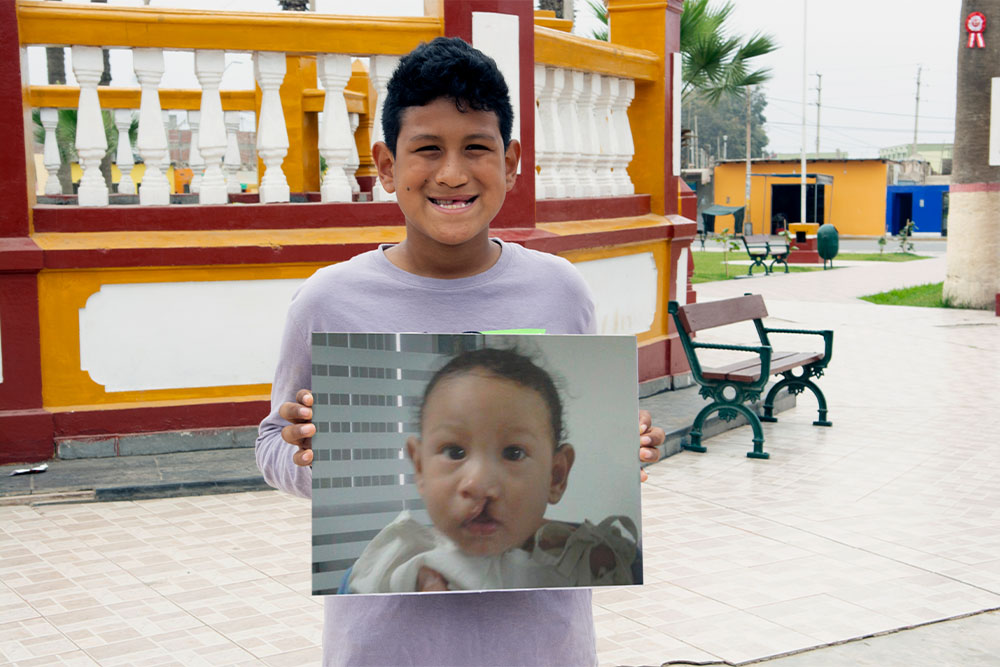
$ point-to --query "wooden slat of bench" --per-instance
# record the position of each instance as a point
(743, 366)
(699, 316)
(748, 370)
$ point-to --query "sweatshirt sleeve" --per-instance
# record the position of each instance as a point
(293, 372)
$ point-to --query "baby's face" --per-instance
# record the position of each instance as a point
(486, 464)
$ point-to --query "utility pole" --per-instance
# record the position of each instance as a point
(916, 114)
(697, 146)
(725, 145)
(805, 84)
(746, 214)
(819, 99)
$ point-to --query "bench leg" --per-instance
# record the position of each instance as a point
(779, 261)
(751, 417)
(695, 435)
(757, 261)
(795, 385)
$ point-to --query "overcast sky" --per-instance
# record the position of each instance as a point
(867, 51)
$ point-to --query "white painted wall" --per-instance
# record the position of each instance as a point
(496, 35)
(179, 335)
(624, 290)
(681, 278)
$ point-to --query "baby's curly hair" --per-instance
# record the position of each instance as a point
(507, 365)
(446, 67)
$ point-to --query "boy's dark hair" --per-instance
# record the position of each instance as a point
(507, 365)
(446, 67)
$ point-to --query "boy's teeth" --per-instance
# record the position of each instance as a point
(452, 203)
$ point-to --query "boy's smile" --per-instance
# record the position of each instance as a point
(450, 174)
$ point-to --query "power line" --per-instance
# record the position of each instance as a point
(865, 129)
(880, 113)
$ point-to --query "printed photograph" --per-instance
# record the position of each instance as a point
(472, 462)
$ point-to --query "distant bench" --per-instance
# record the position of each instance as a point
(760, 248)
(730, 386)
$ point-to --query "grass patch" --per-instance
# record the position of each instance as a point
(924, 296)
(709, 267)
(879, 256)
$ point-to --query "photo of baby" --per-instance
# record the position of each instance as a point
(489, 451)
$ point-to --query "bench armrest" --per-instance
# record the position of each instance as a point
(764, 351)
(827, 335)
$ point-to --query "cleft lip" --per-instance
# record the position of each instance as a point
(479, 514)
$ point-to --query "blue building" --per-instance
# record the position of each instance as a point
(925, 205)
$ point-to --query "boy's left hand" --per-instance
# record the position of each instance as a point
(650, 437)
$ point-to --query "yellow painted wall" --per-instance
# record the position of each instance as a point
(855, 203)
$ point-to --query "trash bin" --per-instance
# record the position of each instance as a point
(827, 243)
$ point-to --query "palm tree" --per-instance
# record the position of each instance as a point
(713, 64)
(973, 274)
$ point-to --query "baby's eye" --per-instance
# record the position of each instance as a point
(514, 453)
(454, 452)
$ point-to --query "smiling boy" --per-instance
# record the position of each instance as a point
(449, 157)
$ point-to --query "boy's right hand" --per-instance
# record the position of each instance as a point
(301, 430)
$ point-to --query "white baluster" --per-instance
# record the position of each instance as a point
(91, 142)
(335, 138)
(626, 149)
(382, 68)
(50, 118)
(543, 159)
(354, 160)
(552, 185)
(231, 163)
(208, 67)
(167, 162)
(570, 127)
(152, 137)
(195, 161)
(606, 136)
(123, 157)
(272, 137)
(588, 135)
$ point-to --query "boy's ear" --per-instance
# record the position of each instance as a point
(511, 157)
(384, 162)
(562, 462)
(413, 451)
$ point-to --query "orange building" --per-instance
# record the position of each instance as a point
(850, 194)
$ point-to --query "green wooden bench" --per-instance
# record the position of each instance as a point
(729, 387)
(760, 248)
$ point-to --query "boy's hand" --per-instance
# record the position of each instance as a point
(301, 430)
(650, 437)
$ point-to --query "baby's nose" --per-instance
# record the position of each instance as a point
(480, 481)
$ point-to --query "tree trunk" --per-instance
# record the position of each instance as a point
(973, 275)
(552, 6)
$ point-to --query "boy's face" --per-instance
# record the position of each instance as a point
(450, 172)
(486, 465)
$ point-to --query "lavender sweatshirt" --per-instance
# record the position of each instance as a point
(524, 289)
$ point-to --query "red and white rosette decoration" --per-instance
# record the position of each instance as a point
(975, 25)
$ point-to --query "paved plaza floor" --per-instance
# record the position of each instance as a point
(888, 521)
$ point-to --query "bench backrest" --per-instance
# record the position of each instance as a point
(755, 239)
(699, 316)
